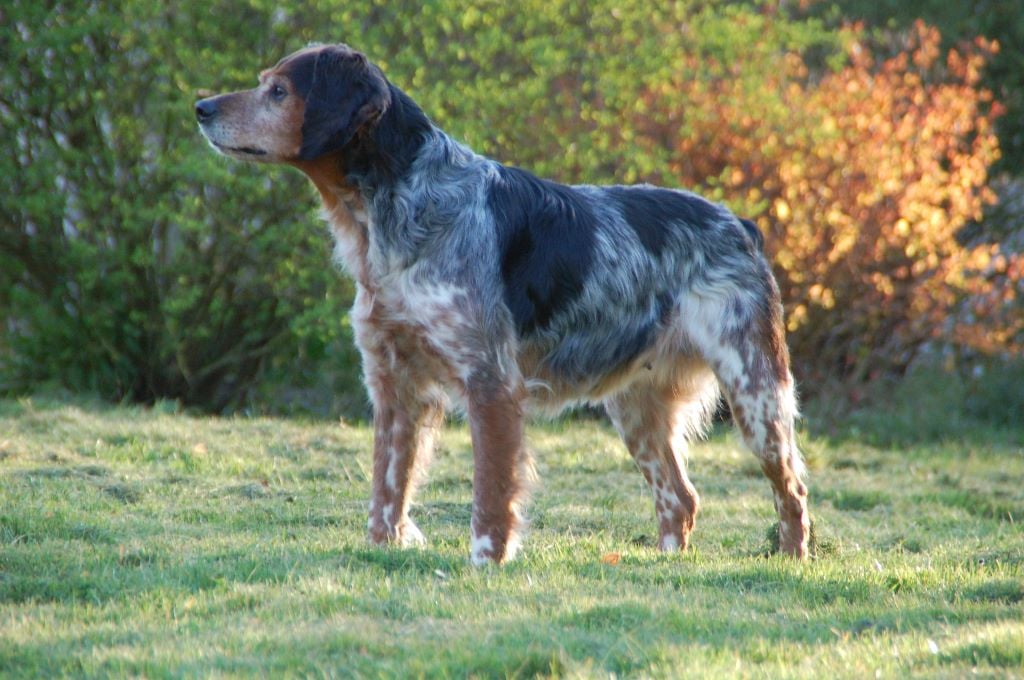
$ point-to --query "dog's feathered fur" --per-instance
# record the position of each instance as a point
(482, 281)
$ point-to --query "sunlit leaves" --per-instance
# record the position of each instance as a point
(128, 241)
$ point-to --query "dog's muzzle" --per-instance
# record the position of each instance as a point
(206, 110)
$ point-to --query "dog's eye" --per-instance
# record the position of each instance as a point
(277, 93)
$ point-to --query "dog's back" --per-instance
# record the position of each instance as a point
(593, 276)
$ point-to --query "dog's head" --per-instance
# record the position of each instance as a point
(311, 104)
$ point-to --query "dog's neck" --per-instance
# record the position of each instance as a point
(330, 179)
(344, 211)
(352, 179)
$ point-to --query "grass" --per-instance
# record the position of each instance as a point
(148, 543)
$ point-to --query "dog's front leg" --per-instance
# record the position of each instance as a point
(408, 410)
(403, 442)
(500, 468)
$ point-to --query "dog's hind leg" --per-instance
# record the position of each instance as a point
(765, 415)
(655, 423)
(752, 364)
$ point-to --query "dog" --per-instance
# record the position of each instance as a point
(481, 283)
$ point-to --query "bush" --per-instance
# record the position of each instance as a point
(994, 393)
(934, 401)
(862, 172)
(861, 178)
(1000, 20)
(138, 264)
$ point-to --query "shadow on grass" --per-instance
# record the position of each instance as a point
(414, 561)
(667, 609)
(103, 571)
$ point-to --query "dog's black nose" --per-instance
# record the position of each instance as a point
(206, 109)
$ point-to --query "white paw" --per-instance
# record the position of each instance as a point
(480, 552)
(410, 535)
(668, 543)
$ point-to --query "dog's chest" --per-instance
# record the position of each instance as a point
(404, 310)
(435, 325)
(349, 224)
(365, 258)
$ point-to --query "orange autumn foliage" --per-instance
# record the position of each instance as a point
(861, 180)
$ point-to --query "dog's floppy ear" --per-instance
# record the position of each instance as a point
(345, 94)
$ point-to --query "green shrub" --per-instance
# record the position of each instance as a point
(136, 263)
(981, 399)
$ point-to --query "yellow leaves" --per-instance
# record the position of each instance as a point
(822, 296)
(928, 39)
(470, 18)
(786, 259)
(883, 283)
(797, 318)
(844, 242)
(836, 218)
(1000, 265)
(782, 210)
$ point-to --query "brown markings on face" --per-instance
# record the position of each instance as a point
(263, 124)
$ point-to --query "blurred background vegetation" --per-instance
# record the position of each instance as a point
(878, 144)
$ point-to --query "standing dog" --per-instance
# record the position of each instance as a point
(508, 291)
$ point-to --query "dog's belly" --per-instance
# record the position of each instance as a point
(551, 390)
(429, 333)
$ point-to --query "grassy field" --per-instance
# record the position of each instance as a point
(147, 543)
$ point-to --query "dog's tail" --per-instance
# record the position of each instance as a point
(755, 234)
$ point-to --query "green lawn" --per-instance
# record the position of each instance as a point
(147, 543)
